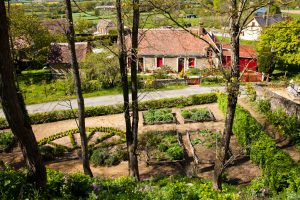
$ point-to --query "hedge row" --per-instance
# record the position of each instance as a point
(280, 172)
(111, 132)
(53, 116)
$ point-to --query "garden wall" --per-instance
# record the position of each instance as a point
(277, 101)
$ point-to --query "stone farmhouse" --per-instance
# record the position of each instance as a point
(175, 48)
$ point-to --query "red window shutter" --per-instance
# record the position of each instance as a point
(159, 62)
(191, 62)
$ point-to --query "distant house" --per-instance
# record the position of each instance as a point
(175, 48)
(247, 62)
(104, 26)
(59, 59)
(56, 25)
(258, 23)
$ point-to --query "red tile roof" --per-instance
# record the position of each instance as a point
(60, 52)
(245, 51)
(170, 42)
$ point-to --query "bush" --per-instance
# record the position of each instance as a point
(76, 186)
(194, 72)
(275, 164)
(264, 106)
(162, 72)
(99, 156)
(6, 139)
(53, 116)
(175, 152)
(55, 181)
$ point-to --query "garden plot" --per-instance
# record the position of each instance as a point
(159, 116)
(162, 147)
(197, 115)
(203, 142)
(99, 137)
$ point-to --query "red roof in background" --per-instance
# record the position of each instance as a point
(246, 51)
(171, 42)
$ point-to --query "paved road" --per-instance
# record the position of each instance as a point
(115, 99)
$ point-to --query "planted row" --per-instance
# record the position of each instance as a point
(39, 118)
(280, 172)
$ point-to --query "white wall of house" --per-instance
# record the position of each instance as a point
(252, 31)
(150, 63)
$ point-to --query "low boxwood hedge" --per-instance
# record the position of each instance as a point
(53, 116)
(279, 169)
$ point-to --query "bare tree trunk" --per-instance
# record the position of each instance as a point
(131, 138)
(15, 111)
(80, 99)
(232, 90)
(133, 165)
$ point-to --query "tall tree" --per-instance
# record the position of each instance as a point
(239, 13)
(133, 166)
(15, 111)
(80, 100)
(131, 130)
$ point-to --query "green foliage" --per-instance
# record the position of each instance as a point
(49, 153)
(99, 156)
(102, 67)
(12, 184)
(53, 116)
(251, 92)
(30, 37)
(263, 106)
(76, 186)
(285, 41)
(194, 72)
(160, 115)
(175, 152)
(6, 139)
(197, 114)
(275, 163)
(162, 72)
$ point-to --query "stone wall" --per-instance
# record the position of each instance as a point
(277, 101)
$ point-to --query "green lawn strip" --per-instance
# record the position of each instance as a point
(279, 171)
(53, 116)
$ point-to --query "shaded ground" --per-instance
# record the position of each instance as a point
(281, 142)
(243, 171)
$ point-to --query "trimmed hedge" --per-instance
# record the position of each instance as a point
(53, 116)
(280, 172)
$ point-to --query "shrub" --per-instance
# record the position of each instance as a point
(55, 181)
(194, 72)
(116, 157)
(175, 152)
(76, 186)
(53, 116)
(99, 156)
(275, 164)
(6, 139)
(264, 106)
(12, 184)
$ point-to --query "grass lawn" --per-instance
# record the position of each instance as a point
(47, 92)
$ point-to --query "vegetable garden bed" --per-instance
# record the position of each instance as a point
(203, 141)
(197, 115)
(159, 116)
(162, 147)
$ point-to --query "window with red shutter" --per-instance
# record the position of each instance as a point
(159, 62)
(191, 62)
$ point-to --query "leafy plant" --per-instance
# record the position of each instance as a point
(175, 152)
(6, 139)
(160, 115)
(197, 114)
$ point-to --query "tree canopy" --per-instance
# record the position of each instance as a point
(284, 40)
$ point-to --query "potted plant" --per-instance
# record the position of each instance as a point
(193, 76)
